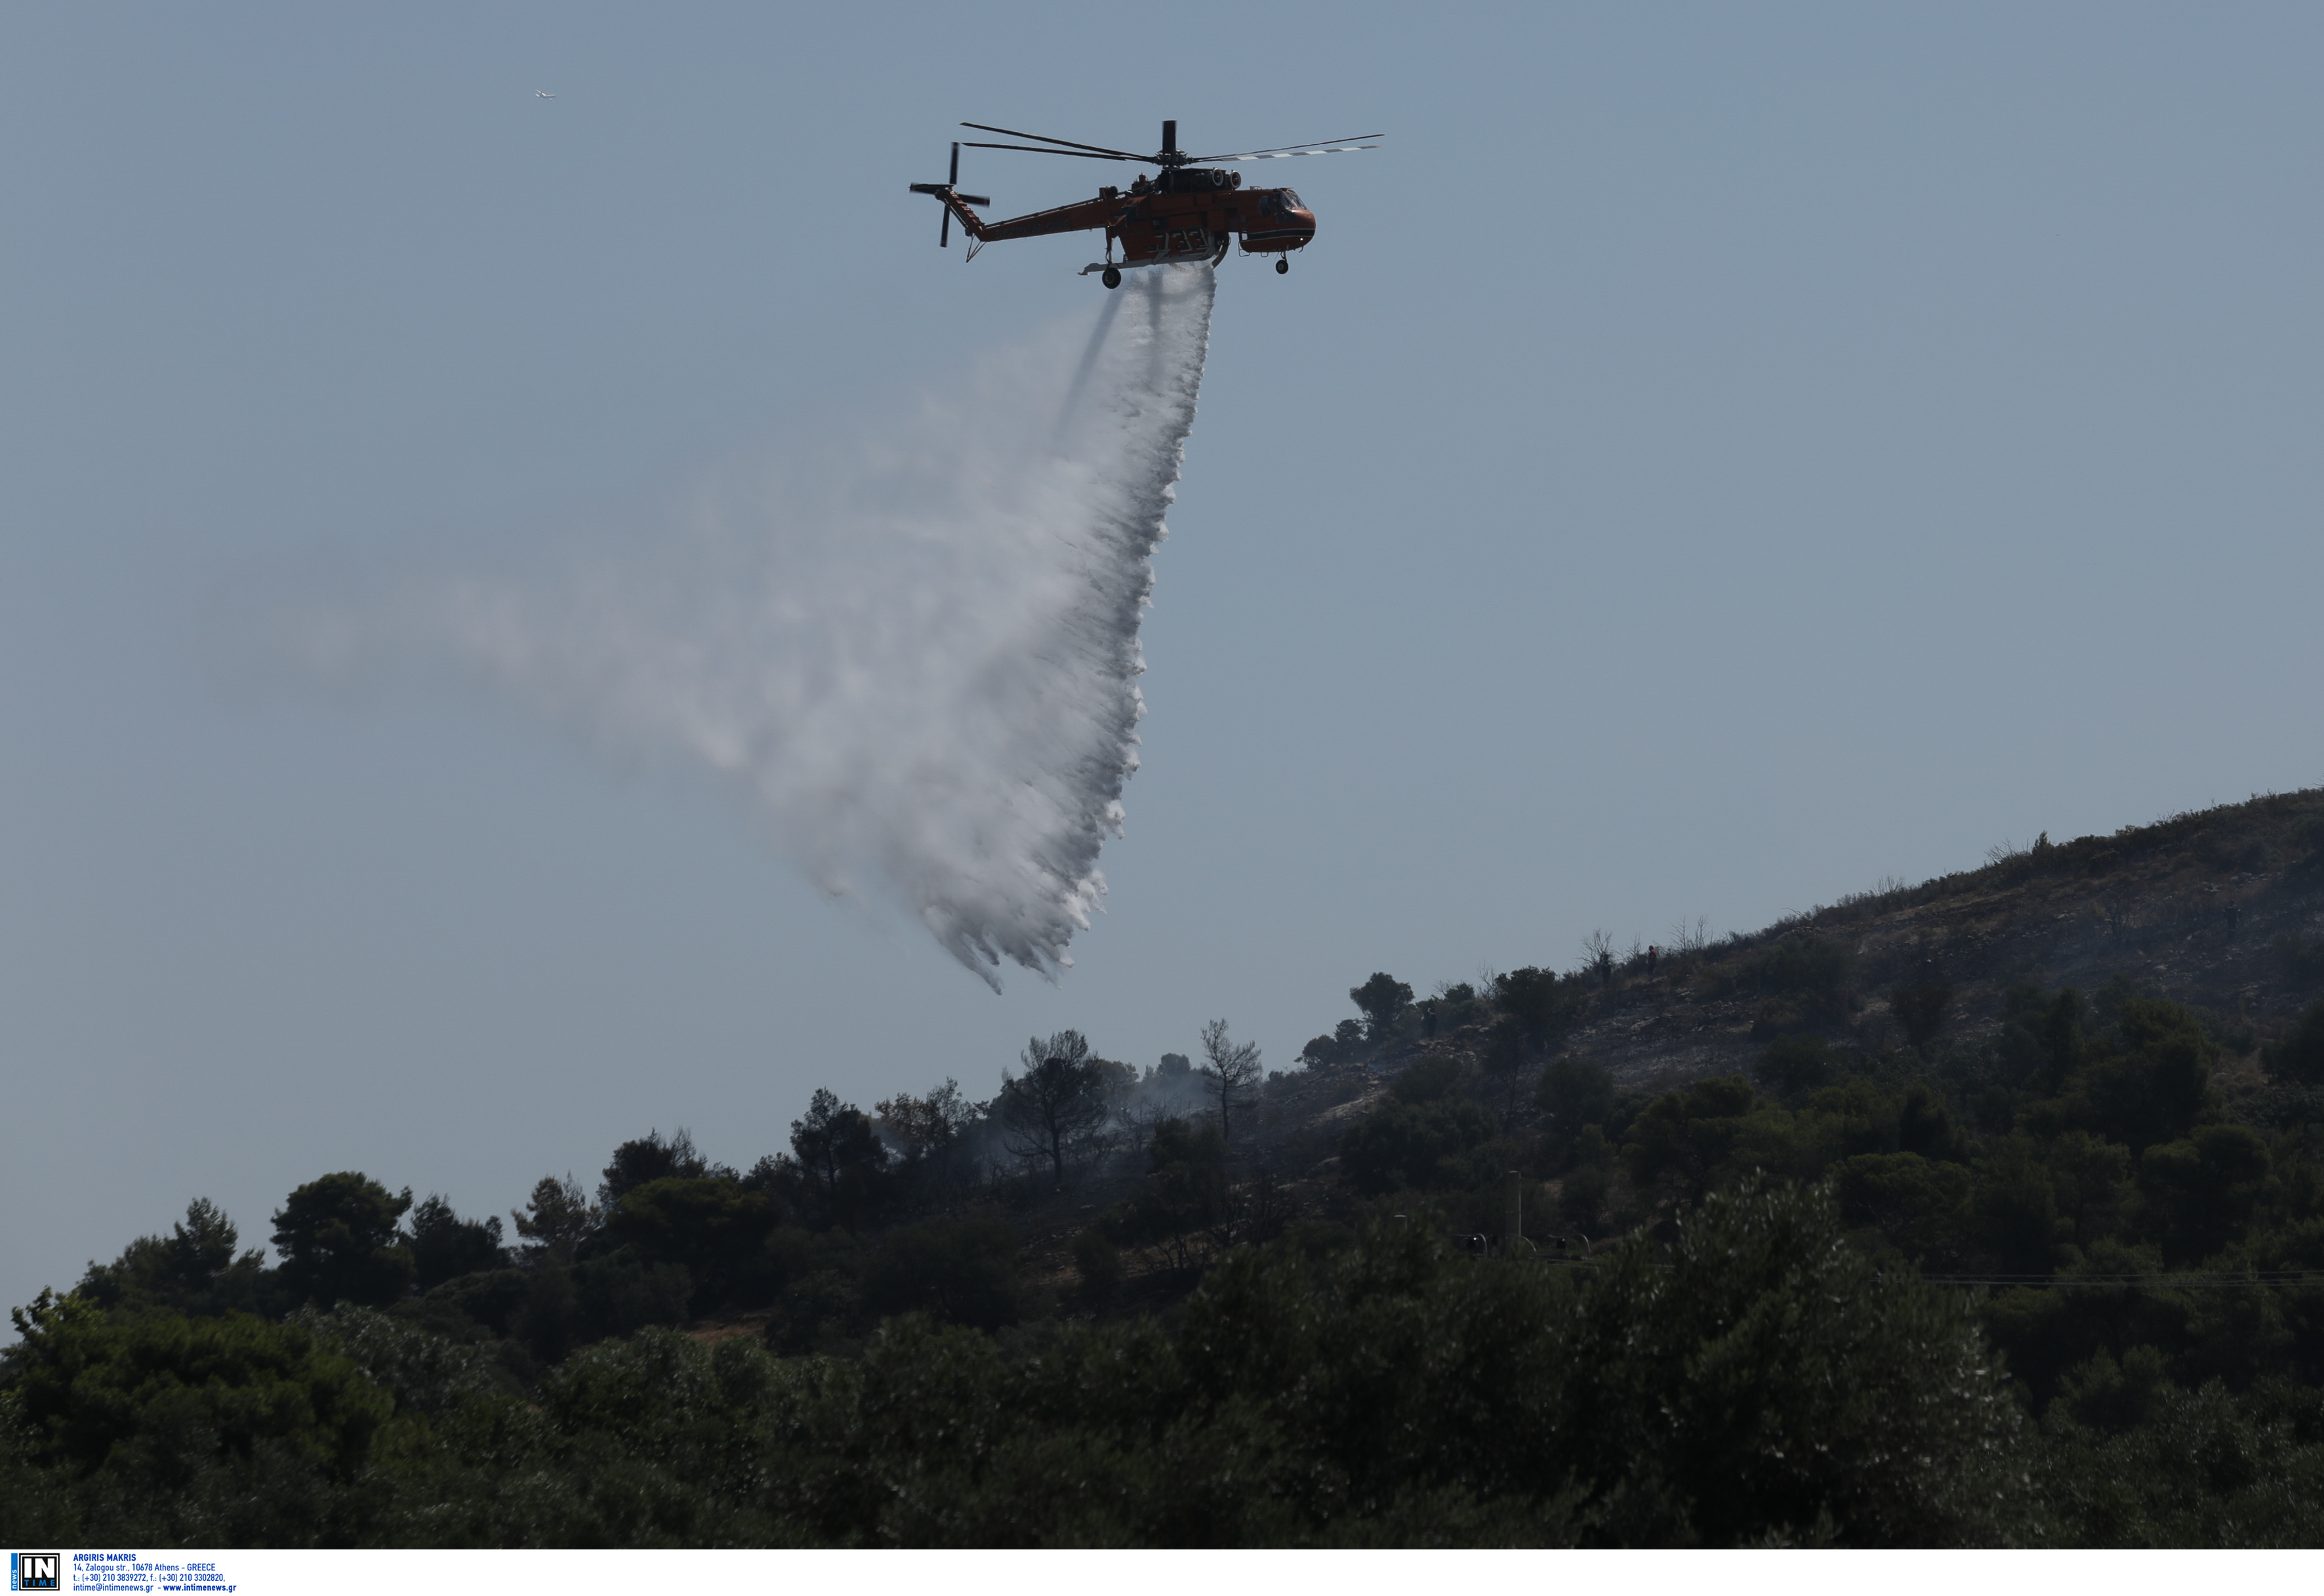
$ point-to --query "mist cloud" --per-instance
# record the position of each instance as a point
(918, 651)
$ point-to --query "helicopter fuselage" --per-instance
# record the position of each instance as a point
(1188, 213)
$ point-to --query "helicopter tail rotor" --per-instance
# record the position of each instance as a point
(948, 193)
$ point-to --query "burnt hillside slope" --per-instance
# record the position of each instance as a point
(2223, 908)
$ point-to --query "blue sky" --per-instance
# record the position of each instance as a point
(1709, 460)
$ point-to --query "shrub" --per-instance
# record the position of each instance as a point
(1400, 1144)
(1099, 1263)
(152, 1396)
(1427, 1080)
(2301, 957)
(1796, 1065)
(1573, 1093)
(710, 1228)
(963, 1272)
(1920, 1009)
(1769, 1381)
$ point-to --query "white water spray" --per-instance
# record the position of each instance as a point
(921, 660)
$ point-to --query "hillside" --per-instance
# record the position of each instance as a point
(2078, 1092)
(2222, 909)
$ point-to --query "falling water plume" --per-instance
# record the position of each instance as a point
(920, 653)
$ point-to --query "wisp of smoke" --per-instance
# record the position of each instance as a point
(920, 653)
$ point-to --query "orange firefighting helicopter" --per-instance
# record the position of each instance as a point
(1188, 211)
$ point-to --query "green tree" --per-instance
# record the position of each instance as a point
(1795, 1065)
(2091, 1177)
(841, 1155)
(195, 1269)
(556, 1221)
(1536, 1001)
(1573, 1093)
(1184, 1192)
(2153, 1082)
(1345, 1043)
(1588, 1179)
(1919, 1008)
(2014, 1209)
(711, 1227)
(339, 1241)
(650, 1156)
(1916, 1204)
(444, 1246)
(1762, 1378)
(1382, 1000)
(2205, 1188)
(963, 1272)
(1402, 1144)
(1687, 1136)
(153, 1396)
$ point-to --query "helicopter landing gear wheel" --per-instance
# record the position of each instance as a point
(1112, 278)
(1283, 264)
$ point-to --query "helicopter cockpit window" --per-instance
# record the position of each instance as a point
(1292, 201)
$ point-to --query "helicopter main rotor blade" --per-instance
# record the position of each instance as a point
(1037, 150)
(1306, 145)
(1045, 139)
(1289, 152)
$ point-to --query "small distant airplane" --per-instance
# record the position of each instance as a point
(542, 93)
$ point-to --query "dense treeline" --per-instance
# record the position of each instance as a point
(1384, 1392)
(2057, 1281)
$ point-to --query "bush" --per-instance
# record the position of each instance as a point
(2297, 1057)
(1573, 1093)
(2151, 1085)
(153, 1397)
(1806, 966)
(2198, 1468)
(1688, 1136)
(2300, 958)
(554, 1310)
(1099, 1264)
(1770, 1381)
(1920, 1009)
(1796, 1065)
(710, 1228)
(1916, 1204)
(1400, 1144)
(961, 1271)
(1760, 1382)
(1582, 1194)
(444, 1246)
(1427, 1080)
